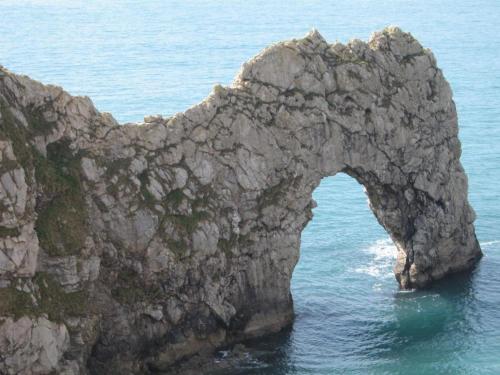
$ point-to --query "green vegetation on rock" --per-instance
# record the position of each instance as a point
(37, 122)
(15, 303)
(175, 197)
(129, 288)
(188, 223)
(53, 300)
(9, 232)
(62, 223)
(115, 168)
(179, 247)
(18, 135)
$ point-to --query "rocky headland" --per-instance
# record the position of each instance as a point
(128, 248)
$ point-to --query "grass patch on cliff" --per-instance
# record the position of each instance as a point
(8, 165)
(179, 247)
(129, 288)
(185, 224)
(175, 197)
(199, 206)
(188, 223)
(62, 221)
(37, 122)
(18, 135)
(53, 300)
(9, 232)
(116, 168)
(61, 224)
(15, 303)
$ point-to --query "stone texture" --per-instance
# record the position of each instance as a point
(32, 346)
(155, 241)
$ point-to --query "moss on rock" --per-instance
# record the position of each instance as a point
(178, 247)
(18, 135)
(129, 288)
(9, 232)
(15, 303)
(52, 300)
(38, 124)
(62, 221)
(62, 224)
(56, 303)
(174, 198)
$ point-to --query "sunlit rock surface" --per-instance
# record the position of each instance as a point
(125, 248)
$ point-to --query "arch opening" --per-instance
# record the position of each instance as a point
(344, 240)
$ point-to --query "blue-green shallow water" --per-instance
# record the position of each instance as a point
(137, 58)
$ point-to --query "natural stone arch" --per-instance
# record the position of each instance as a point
(189, 227)
(385, 116)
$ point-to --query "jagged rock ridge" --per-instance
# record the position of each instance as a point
(125, 248)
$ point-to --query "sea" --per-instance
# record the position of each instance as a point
(136, 58)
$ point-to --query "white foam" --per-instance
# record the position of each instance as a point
(383, 249)
(404, 291)
(383, 253)
(372, 270)
(489, 243)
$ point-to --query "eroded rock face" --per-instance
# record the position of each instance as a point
(125, 248)
(34, 346)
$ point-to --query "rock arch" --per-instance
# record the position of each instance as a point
(181, 234)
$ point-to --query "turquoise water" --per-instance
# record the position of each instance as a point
(163, 56)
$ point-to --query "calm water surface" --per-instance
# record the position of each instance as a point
(137, 58)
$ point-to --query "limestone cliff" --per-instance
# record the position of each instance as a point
(125, 248)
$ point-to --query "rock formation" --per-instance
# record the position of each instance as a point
(126, 248)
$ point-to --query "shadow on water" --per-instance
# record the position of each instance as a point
(269, 356)
(431, 328)
(417, 324)
(424, 314)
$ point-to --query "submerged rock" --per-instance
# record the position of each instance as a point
(131, 248)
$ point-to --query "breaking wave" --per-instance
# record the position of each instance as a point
(383, 253)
